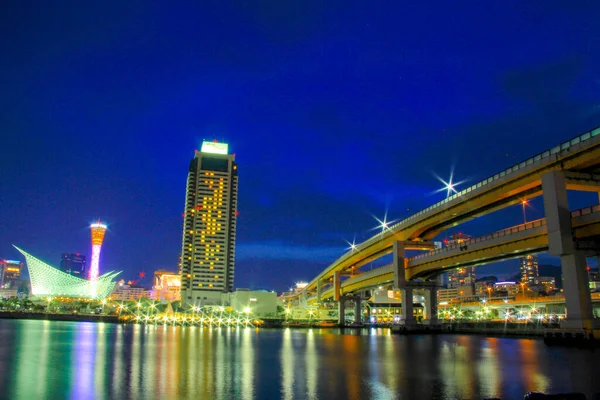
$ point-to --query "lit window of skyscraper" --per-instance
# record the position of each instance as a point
(208, 243)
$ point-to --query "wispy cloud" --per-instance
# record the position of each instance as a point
(276, 249)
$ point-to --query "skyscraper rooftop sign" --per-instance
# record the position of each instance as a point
(214, 147)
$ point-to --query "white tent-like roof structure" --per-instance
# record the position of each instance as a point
(47, 280)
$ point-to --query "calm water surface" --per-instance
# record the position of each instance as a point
(78, 360)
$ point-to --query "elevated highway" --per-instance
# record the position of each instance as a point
(580, 157)
(516, 241)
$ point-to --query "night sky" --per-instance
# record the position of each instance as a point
(337, 113)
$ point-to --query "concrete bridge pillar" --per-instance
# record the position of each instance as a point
(407, 305)
(562, 243)
(342, 311)
(358, 310)
(337, 285)
(319, 291)
(399, 261)
(431, 305)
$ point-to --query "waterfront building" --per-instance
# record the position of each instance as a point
(49, 281)
(529, 269)
(260, 303)
(10, 272)
(209, 227)
(167, 286)
(73, 264)
(386, 306)
(127, 292)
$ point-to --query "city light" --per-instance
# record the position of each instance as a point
(449, 186)
(352, 245)
(98, 231)
(383, 224)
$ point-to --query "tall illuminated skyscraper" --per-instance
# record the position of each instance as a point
(98, 231)
(208, 243)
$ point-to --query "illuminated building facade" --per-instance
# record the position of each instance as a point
(208, 243)
(47, 280)
(461, 277)
(10, 273)
(128, 292)
(73, 264)
(98, 231)
(167, 286)
(529, 269)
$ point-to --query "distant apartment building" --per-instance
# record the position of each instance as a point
(127, 292)
(545, 284)
(73, 264)
(10, 273)
(529, 269)
(505, 288)
(460, 293)
(461, 277)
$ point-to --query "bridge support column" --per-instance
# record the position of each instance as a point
(561, 243)
(399, 265)
(337, 285)
(431, 305)
(358, 311)
(319, 291)
(408, 315)
(342, 311)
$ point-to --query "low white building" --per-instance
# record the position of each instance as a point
(261, 304)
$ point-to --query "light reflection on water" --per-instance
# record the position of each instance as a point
(42, 359)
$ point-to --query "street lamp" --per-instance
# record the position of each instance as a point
(523, 204)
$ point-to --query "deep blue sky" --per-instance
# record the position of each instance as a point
(336, 112)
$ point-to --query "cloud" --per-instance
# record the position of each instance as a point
(280, 250)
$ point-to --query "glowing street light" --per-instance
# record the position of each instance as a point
(383, 224)
(449, 186)
(352, 245)
(523, 204)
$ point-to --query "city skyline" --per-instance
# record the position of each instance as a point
(336, 124)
